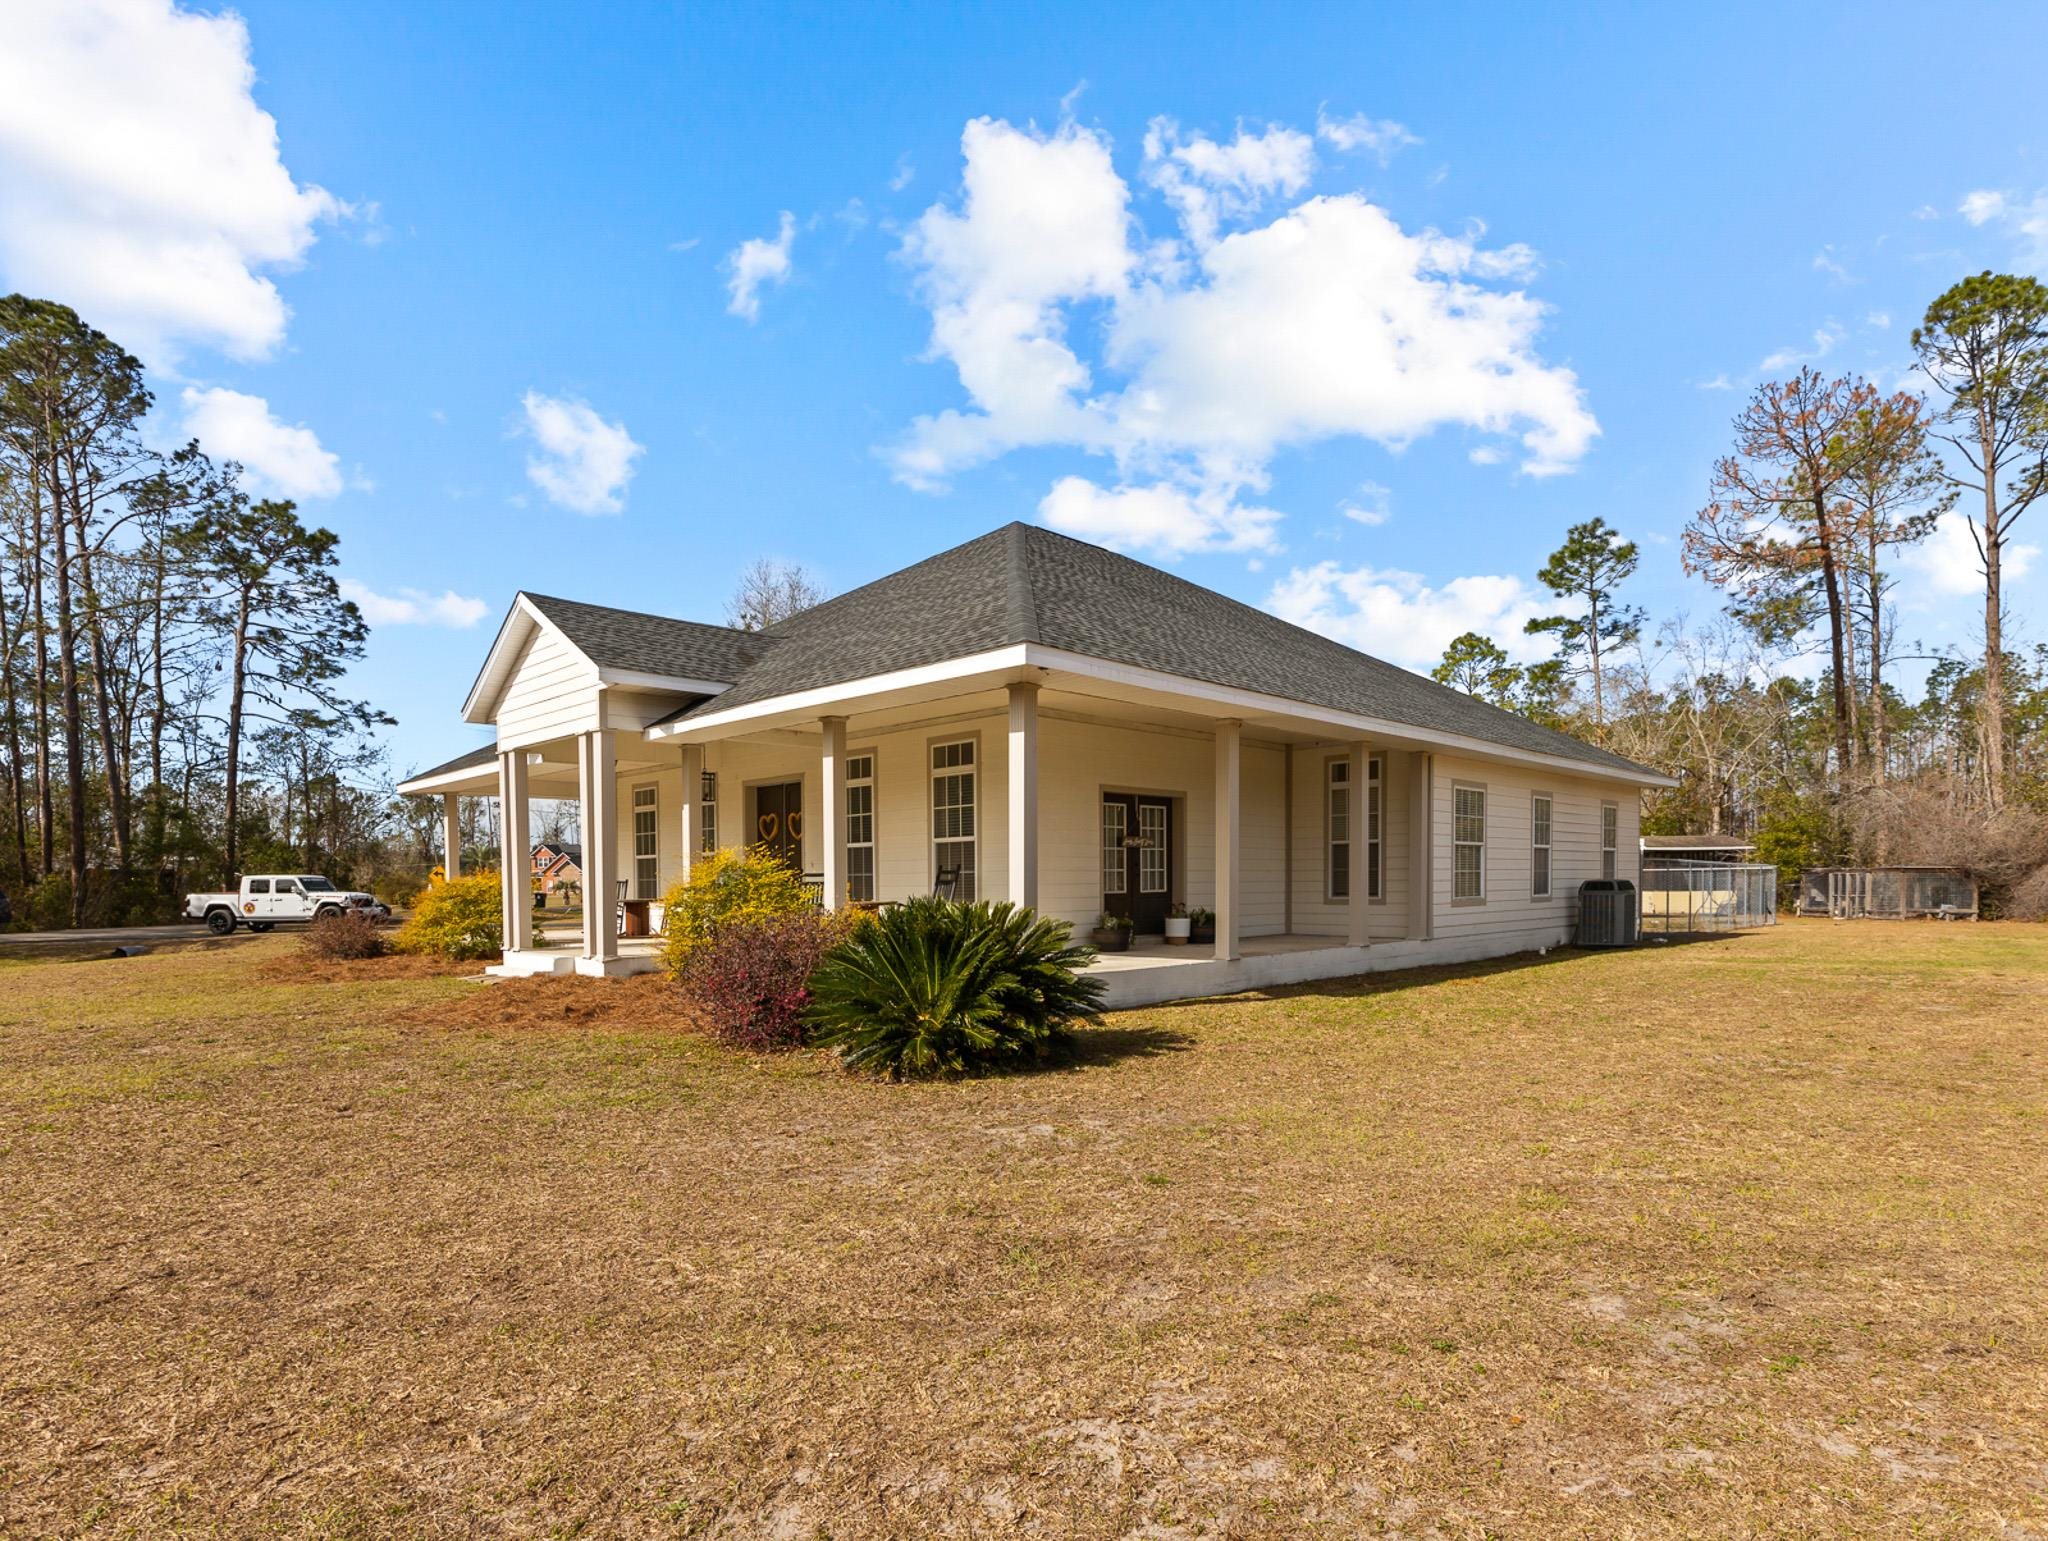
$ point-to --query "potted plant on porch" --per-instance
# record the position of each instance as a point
(1201, 925)
(1177, 924)
(1112, 933)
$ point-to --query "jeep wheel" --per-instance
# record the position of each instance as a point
(220, 922)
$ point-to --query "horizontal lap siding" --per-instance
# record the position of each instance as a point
(1511, 914)
(553, 692)
(1077, 762)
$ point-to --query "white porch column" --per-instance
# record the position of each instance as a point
(597, 785)
(1421, 845)
(1358, 901)
(1023, 846)
(1229, 781)
(451, 834)
(693, 810)
(516, 850)
(832, 798)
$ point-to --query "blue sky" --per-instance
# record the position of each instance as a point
(1394, 297)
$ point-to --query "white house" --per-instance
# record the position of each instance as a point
(1060, 726)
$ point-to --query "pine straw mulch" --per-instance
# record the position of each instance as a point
(1747, 1237)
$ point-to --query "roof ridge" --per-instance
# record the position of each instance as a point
(1023, 594)
(644, 615)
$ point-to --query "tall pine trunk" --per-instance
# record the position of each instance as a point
(113, 742)
(68, 699)
(237, 685)
(1832, 580)
(1991, 718)
(10, 646)
(46, 814)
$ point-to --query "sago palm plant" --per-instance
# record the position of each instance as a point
(933, 987)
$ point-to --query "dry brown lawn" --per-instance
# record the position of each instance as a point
(1735, 1238)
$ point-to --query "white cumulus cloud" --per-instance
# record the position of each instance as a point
(1157, 517)
(411, 607)
(581, 461)
(1400, 616)
(139, 181)
(755, 262)
(1209, 183)
(1223, 348)
(281, 458)
(2024, 219)
(1951, 563)
(1379, 136)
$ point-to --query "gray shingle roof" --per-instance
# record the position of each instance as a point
(652, 644)
(476, 759)
(1026, 584)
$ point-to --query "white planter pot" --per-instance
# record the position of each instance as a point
(1177, 930)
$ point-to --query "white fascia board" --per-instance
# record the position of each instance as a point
(450, 781)
(1253, 703)
(716, 724)
(634, 679)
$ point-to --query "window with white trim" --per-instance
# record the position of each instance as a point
(1115, 865)
(646, 844)
(954, 835)
(1610, 832)
(707, 802)
(1539, 845)
(1337, 827)
(1338, 831)
(1468, 843)
(860, 828)
(1373, 799)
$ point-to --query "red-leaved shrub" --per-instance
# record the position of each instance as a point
(749, 979)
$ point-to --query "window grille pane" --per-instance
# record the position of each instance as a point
(860, 874)
(1152, 854)
(958, 853)
(1471, 816)
(1340, 871)
(1541, 881)
(1114, 864)
(1465, 882)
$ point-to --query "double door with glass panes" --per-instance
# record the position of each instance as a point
(1137, 859)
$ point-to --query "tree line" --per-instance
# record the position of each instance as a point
(1825, 482)
(173, 653)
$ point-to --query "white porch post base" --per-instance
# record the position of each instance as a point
(1228, 785)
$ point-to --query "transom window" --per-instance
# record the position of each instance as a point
(954, 834)
(1610, 830)
(1338, 823)
(1115, 825)
(1468, 844)
(707, 802)
(646, 844)
(1539, 846)
(860, 828)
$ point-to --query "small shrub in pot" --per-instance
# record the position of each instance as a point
(1112, 933)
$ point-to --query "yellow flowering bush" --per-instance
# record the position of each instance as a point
(462, 918)
(726, 889)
